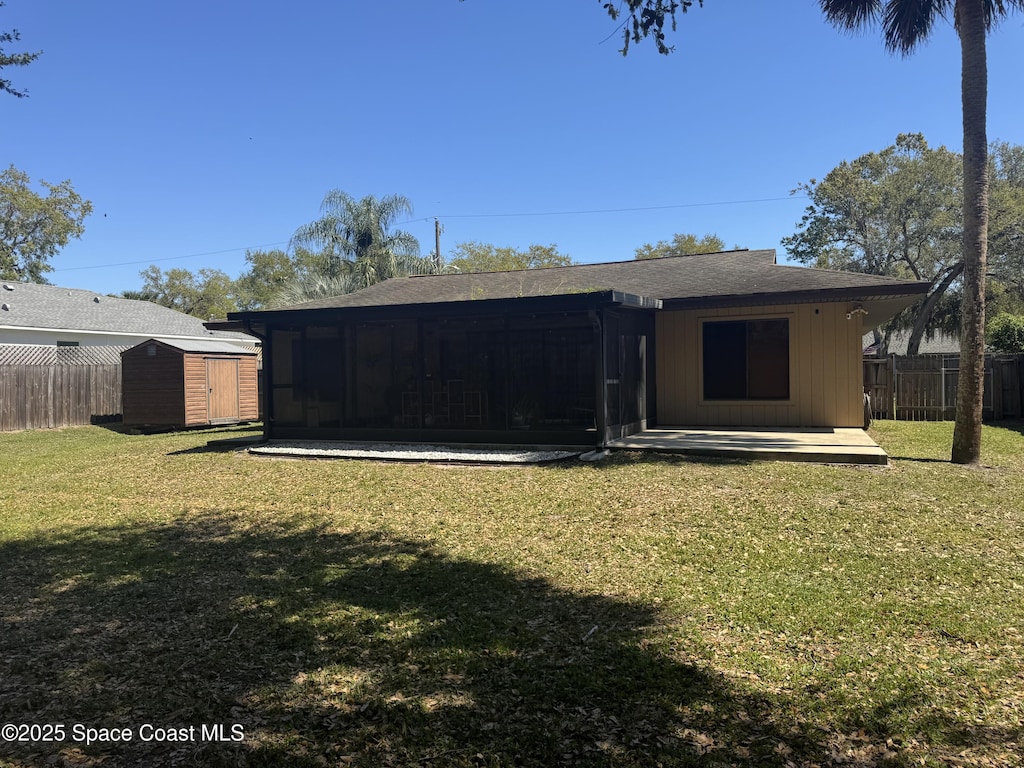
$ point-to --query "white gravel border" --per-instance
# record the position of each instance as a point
(407, 452)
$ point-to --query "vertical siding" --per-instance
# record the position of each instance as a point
(248, 389)
(196, 403)
(171, 387)
(825, 377)
(197, 409)
(151, 386)
(52, 396)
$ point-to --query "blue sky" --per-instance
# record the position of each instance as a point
(199, 129)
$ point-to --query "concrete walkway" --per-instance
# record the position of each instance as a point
(822, 445)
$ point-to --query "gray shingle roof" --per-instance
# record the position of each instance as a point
(681, 278)
(29, 305)
(938, 343)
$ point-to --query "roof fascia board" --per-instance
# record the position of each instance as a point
(104, 333)
(554, 303)
(801, 297)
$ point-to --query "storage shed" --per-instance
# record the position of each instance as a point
(188, 383)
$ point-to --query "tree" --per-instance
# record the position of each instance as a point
(138, 296)
(906, 24)
(681, 245)
(896, 212)
(358, 246)
(33, 228)
(647, 18)
(208, 295)
(1006, 218)
(1006, 333)
(13, 60)
(270, 273)
(483, 257)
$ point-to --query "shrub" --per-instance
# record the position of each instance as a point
(1006, 332)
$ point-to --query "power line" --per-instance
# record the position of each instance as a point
(459, 216)
(170, 258)
(611, 210)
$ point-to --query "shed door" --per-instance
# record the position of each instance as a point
(222, 389)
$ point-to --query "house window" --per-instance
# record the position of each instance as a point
(746, 359)
(67, 343)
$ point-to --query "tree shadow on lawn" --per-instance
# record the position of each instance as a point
(1010, 425)
(353, 649)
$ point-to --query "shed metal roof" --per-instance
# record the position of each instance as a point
(203, 346)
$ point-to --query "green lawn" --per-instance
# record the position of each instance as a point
(646, 610)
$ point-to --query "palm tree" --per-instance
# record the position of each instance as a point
(358, 246)
(906, 24)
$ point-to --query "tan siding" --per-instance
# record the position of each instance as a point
(817, 394)
(197, 387)
(196, 406)
(802, 393)
(248, 397)
(842, 372)
(825, 380)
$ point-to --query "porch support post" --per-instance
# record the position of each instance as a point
(600, 377)
(268, 376)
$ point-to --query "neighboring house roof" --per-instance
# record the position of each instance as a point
(937, 343)
(49, 307)
(48, 354)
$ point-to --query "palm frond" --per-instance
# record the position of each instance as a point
(361, 237)
(907, 23)
(312, 287)
(996, 9)
(851, 15)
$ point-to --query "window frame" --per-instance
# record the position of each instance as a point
(746, 319)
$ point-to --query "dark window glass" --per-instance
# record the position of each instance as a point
(746, 359)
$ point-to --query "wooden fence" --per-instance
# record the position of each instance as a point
(923, 388)
(45, 387)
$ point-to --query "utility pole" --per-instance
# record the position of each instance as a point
(437, 244)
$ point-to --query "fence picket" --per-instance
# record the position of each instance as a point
(43, 387)
(923, 388)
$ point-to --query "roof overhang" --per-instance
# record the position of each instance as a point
(881, 303)
(568, 302)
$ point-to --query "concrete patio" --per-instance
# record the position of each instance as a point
(822, 445)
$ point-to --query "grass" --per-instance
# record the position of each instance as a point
(642, 611)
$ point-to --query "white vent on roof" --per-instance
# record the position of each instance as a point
(5, 307)
(8, 287)
(96, 299)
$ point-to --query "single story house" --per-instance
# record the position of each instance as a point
(31, 313)
(575, 355)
